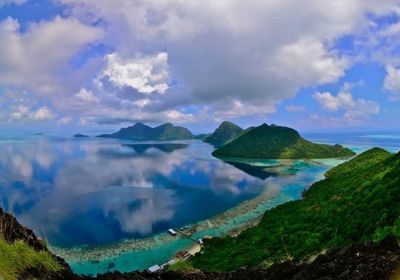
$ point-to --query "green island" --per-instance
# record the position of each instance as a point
(142, 132)
(356, 202)
(278, 142)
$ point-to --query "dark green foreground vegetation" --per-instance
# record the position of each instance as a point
(358, 201)
(278, 142)
(18, 256)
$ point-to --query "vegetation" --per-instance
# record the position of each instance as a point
(225, 133)
(273, 142)
(18, 256)
(180, 266)
(358, 201)
(141, 131)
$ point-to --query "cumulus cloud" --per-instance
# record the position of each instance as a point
(86, 95)
(43, 114)
(38, 59)
(65, 120)
(392, 82)
(355, 111)
(188, 60)
(147, 74)
(23, 112)
(309, 62)
(225, 52)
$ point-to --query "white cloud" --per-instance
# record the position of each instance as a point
(308, 62)
(225, 58)
(224, 52)
(87, 95)
(355, 110)
(65, 120)
(38, 59)
(43, 114)
(24, 113)
(147, 74)
(392, 81)
(333, 103)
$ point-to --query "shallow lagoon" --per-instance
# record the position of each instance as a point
(105, 204)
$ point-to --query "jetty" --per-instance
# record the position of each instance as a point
(199, 241)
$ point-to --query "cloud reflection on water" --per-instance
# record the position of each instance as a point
(62, 187)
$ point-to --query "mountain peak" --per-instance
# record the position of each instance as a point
(226, 132)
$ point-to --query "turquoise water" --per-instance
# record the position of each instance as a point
(106, 204)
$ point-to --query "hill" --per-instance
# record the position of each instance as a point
(226, 132)
(357, 202)
(278, 142)
(80, 135)
(140, 131)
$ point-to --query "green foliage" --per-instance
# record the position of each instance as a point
(358, 201)
(18, 256)
(225, 133)
(141, 131)
(181, 266)
(272, 142)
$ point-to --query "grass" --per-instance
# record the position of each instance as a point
(18, 256)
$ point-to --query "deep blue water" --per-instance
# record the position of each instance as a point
(89, 192)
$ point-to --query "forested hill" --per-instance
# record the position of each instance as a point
(358, 201)
(226, 132)
(140, 131)
(278, 142)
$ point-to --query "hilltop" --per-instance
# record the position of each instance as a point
(140, 131)
(226, 132)
(278, 142)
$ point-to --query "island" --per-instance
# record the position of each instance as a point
(142, 132)
(278, 142)
(80, 135)
(226, 132)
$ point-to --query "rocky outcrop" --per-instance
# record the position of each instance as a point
(11, 230)
(360, 261)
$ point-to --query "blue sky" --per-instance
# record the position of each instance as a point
(75, 65)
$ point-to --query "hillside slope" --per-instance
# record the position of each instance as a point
(226, 131)
(277, 142)
(358, 201)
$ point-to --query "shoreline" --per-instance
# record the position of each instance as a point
(140, 254)
(134, 245)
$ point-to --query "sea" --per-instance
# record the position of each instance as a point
(107, 204)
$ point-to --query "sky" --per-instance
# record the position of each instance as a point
(98, 65)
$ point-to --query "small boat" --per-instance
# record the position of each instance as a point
(172, 232)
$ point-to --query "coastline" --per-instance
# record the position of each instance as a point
(140, 254)
(112, 250)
